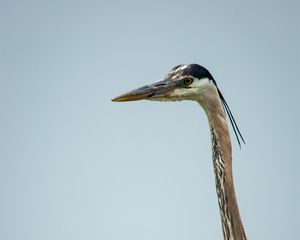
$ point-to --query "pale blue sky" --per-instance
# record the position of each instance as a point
(74, 165)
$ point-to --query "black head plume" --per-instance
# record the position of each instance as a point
(234, 125)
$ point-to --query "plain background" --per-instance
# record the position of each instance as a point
(74, 165)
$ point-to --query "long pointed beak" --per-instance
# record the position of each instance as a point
(156, 91)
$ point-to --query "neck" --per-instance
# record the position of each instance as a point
(232, 225)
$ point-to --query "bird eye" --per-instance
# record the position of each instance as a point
(188, 81)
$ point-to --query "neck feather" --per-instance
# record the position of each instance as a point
(222, 161)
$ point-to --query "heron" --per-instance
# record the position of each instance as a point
(194, 82)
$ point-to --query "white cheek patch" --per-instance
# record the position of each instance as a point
(195, 88)
(183, 92)
(202, 83)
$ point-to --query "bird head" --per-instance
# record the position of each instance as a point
(183, 82)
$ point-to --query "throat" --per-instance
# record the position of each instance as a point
(219, 170)
(230, 218)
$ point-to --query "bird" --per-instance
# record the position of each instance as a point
(194, 82)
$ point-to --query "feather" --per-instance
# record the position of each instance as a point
(232, 120)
